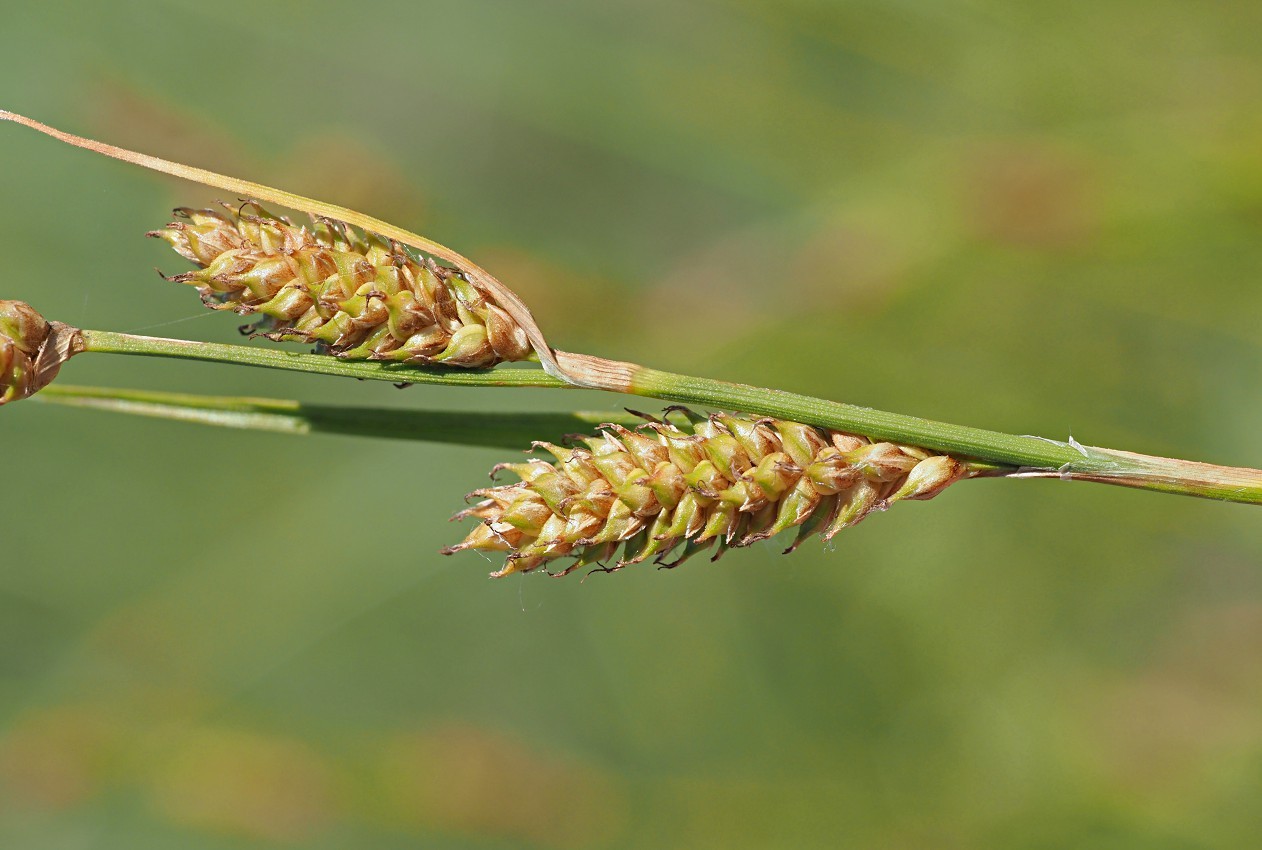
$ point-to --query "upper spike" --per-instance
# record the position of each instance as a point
(356, 294)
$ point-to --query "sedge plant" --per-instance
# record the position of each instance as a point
(380, 303)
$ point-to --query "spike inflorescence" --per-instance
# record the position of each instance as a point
(668, 491)
(357, 295)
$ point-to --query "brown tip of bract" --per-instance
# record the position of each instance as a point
(666, 492)
(31, 350)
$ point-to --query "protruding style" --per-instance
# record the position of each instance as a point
(359, 296)
(667, 491)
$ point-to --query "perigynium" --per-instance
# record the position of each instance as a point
(669, 489)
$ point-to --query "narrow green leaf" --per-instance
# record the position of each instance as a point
(468, 428)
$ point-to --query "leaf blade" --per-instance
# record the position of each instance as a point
(467, 428)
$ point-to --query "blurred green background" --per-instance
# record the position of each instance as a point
(1042, 218)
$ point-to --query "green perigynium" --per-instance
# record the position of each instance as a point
(667, 491)
(360, 296)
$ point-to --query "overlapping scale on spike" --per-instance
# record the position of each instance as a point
(671, 489)
(356, 295)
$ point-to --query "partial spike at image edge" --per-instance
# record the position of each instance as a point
(32, 350)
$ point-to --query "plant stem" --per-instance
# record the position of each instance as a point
(468, 428)
(1021, 456)
(108, 342)
(1033, 457)
(960, 440)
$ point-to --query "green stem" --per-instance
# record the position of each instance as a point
(467, 428)
(993, 446)
(108, 342)
(1033, 457)
(1021, 455)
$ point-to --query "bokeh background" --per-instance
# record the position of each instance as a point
(1037, 217)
